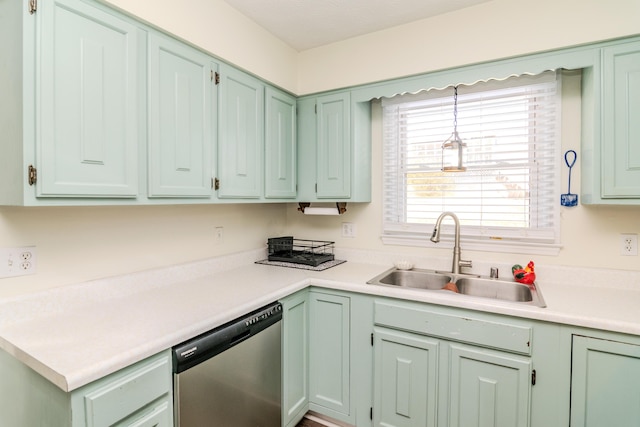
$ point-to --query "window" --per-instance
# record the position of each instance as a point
(508, 195)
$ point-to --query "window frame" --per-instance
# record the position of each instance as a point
(477, 237)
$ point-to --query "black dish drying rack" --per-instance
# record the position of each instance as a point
(300, 251)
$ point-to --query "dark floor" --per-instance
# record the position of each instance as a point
(308, 423)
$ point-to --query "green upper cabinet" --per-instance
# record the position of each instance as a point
(334, 148)
(182, 95)
(86, 98)
(280, 179)
(605, 383)
(240, 134)
(620, 124)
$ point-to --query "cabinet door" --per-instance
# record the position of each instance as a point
(295, 387)
(241, 134)
(329, 367)
(405, 379)
(333, 146)
(306, 147)
(87, 97)
(605, 383)
(621, 127)
(181, 90)
(280, 145)
(488, 388)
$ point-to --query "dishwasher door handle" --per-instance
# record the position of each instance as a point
(239, 338)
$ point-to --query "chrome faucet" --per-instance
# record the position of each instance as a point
(435, 238)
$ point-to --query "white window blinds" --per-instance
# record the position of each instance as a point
(509, 191)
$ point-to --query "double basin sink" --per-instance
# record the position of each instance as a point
(476, 286)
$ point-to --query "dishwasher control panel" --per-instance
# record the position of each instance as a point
(264, 314)
(209, 344)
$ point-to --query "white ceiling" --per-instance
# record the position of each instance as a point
(305, 24)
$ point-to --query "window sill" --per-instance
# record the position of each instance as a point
(506, 246)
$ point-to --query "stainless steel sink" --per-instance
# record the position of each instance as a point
(476, 286)
(414, 279)
(496, 289)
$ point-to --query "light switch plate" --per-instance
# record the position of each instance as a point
(348, 229)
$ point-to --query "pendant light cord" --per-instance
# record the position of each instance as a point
(455, 110)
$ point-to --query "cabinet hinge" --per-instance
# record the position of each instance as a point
(216, 77)
(371, 413)
(533, 377)
(215, 183)
(371, 339)
(316, 187)
(32, 175)
(315, 108)
(33, 6)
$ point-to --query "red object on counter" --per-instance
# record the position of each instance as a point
(525, 275)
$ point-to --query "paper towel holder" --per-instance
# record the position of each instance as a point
(341, 207)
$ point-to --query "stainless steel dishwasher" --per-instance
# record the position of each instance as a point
(231, 375)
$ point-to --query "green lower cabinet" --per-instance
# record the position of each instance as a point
(140, 395)
(488, 388)
(329, 355)
(295, 357)
(605, 383)
(439, 366)
(414, 374)
(405, 378)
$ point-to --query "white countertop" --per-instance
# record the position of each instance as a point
(79, 333)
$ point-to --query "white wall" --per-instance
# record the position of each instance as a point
(223, 31)
(76, 244)
(488, 31)
(590, 235)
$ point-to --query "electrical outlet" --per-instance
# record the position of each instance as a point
(629, 244)
(348, 229)
(218, 235)
(17, 261)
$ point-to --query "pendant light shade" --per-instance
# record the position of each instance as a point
(453, 147)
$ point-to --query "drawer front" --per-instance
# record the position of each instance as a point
(159, 416)
(485, 333)
(125, 395)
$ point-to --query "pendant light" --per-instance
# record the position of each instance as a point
(453, 148)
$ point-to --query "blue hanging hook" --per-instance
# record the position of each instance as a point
(569, 199)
